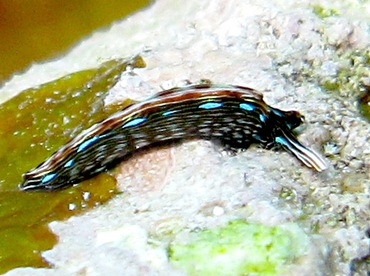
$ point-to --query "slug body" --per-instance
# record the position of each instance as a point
(234, 115)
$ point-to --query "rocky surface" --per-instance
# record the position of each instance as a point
(287, 50)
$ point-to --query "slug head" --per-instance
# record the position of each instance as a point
(291, 119)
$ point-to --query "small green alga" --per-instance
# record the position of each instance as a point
(239, 248)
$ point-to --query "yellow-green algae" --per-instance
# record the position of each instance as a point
(349, 81)
(353, 67)
(351, 78)
(239, 248)
(324, 12)
(34, 124)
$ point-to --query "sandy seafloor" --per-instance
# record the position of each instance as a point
(282, 48)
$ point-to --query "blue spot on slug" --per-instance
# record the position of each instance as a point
(211, 105)
(134, 122)
(257, 137)
(47, 178)
(69, 163)
(247, 107)
(167, 113)
(277, 112)
(263, 118)
(281, 141)
(87, 143)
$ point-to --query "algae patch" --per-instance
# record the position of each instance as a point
(346, 76)
(239, 248)
(352, 78)
(34, 124)
(352, 69)
(324, 12)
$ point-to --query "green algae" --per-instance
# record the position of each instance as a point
(239, 248)
(353, 67)
(323, 12)
(349, 81)
(351, 78)
(34, 124)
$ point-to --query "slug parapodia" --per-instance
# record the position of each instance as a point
(234, 115)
